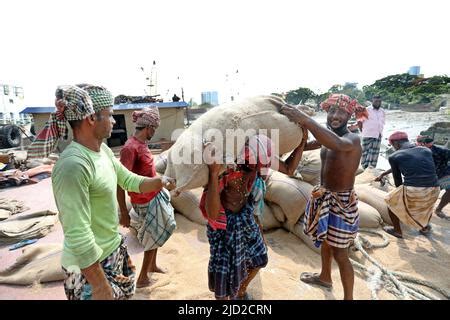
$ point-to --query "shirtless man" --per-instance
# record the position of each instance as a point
(331, 216)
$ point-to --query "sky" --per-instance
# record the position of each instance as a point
(199, 45)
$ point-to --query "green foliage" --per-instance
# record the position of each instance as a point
(300, 96)
(408, 89)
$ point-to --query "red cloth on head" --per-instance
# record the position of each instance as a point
(348, 104)
(397, 135)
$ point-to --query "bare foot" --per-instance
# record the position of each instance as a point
(158, 270)
(143, 283)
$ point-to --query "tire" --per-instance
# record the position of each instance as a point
(10, 136)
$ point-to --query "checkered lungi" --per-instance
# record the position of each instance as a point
(119, 271)
(234, 252)
(371, 150)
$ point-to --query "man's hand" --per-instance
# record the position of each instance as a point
(124, 219)
(102, 293)
(379, 178)
(168, 182)
(294, 114)
(210, 158)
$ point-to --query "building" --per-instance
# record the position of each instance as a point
(414, 71)
(211, 97)
(172, 117)
(11, 102)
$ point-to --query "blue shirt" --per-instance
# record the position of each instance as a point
(441, 157)
(416, 165)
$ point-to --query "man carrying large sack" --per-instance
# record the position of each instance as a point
(155, 219)
(331, 215)
(95, 258)
(413, 200)
(231, 202)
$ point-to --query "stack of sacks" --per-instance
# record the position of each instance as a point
(188, 204)
(309, 167)
(260, 115)
(38, 263)
(161, 161)
(375, 198)
(368, 176)
(27, 226)
(290, 194)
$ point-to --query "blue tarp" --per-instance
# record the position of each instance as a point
(122, 106)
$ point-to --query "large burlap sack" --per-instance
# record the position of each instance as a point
(188, 204)
(297, 229)
(309, 167)
(289, 193)
(38, 263)
(277, 211)
(375, 198)
(369, 217)
(185, 162)
(161, 161)
(368, 177)
(268, 220)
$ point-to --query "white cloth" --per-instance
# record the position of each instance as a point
(373, 126)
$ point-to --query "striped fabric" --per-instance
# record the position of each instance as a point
(332, 216)
(371, 150)
(47, 139)
(413, 205)
(119, 271)
(235, 251)
(155, 221)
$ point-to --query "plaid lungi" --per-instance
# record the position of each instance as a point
(413, 205)
(154, 221)
(332, 216)
(119, 271)
(371, 150)
(234, 251)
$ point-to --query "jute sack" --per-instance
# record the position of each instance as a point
(297, 229)
(38, 263)
(185, 160)
(369, 217)
(188, 204)
(375, 198)
(268, 220)
(277, 211)
(309, 167)
(367, 176)
(161, 162)
(289, 193)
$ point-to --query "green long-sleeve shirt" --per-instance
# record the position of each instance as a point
(84, 187)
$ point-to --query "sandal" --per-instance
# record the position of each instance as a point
(392, 232)
(313, 278)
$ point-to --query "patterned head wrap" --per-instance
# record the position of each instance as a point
(257, 150)
(147, 117)
(101, 97)
(397, 135)
(72, 103)
(348, 104)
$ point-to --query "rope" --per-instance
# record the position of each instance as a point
(401, 285)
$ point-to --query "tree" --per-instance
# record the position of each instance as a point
(300, 96)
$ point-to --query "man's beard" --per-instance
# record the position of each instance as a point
(340, 131)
